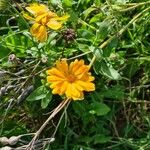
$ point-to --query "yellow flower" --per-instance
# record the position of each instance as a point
(42, 19)
(71, 80)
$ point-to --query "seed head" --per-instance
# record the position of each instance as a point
(69, 35)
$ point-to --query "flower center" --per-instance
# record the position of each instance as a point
(44, 21)
(71, 78)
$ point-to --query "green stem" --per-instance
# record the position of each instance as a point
(16, 11)
(119, 33)
(133, 7)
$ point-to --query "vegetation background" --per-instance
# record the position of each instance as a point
(117, 114)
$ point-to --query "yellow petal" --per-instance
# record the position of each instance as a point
(68, 91)
(79, 98)
(55, 91)
(62, 66)
(25, 15)
(81, 71)
(51, 79)
(87, 86)
(74, 66)
(91, 78)
(41, 34)
(56, 72)
(72, 92)
(63, 88)
(63, 18)
(85, 76)
(37, 9)
(53, 24)
(40, 17)
(56, 84)
(34, 28)
(77, 86)
(52, 14)
(44, 21)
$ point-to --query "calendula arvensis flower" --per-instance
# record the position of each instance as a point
(71, 80)
(42, 19)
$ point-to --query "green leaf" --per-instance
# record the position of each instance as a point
(45, 101)
(110, 72)
(86, 139)
(68, 3)
(103, 29)
(96, 51)
(131, 68)
(79, 108)
(115, 92)
(88, 11)
(101, 138)
(96, 18)
(73, 17)
(88, 35)
(18, 43)
(100, 109)
(110, 47)
(83, 47)
(106, 69)
(3, 51)
(55, 2)
(38, 94)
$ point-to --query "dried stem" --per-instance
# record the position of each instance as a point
(56, 110)
(60, 119)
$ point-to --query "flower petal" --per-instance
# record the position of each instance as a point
(56, 91)
(39, 32)
(87, 86)
(34, 29)
(28, 17)
(79, 98)
(42, 34)
(63, 18)
(73, 93)
(55, 72)
(54, 24)
(74, 66)
(62, 66)
(52, 14)
(51, 79)
(37, 9)
(56, 84)
(78, 86)
(40, 17)
(63, 88)
(91, 78)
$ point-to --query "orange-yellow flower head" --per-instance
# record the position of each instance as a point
(42, 18)
(71, 80)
